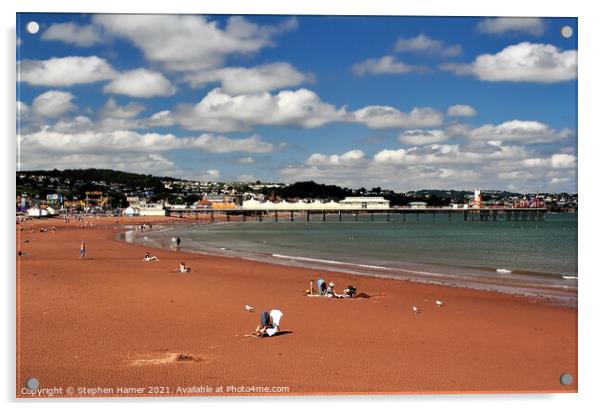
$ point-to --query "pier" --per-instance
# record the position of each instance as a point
(352, 214)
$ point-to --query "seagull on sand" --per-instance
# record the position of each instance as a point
(439, 303)
(416, 309)
(249, 308)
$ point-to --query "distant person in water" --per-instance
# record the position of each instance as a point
(82, 250)
(178, 241)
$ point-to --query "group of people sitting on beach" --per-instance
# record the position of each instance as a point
(328, 291)
(183, 268)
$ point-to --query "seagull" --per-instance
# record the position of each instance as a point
(249, 308)
(416, 309)
(439, 303)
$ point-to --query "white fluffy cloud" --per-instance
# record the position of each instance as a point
(219, 111)
(113, 110)
(525, 132)
(188, 43)
(64, 71)
(222, 112)
(382, 117)
(78, 136)
(349, 158)
(221, 144)
(421, 137)
(53, 103)
(242, 80)
(516, 25)
(523, 62)
(557, 161)
(461, 110)
(384, 65)
(141, 83)
(71, 33)
(424, 44)
(443, 166)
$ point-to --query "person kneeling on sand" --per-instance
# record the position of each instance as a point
(183, 268)
(149, 257)
(269, 324)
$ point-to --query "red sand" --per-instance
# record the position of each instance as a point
(114, 321)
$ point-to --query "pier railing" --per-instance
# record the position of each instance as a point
(469, 214)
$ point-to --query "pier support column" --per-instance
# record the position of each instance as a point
(356, 213)
(307, 219)
(417, 214)
(433, 216)
(261, 216)
(449, 216)
(292, 217)
(275, 215)
(244, 217)
(388, 217)
(372, 216)
(323, 215)
(212, 216)
(465, 216)
(404, 217)
(340, 215)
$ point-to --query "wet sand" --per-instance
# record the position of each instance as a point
(112, 321)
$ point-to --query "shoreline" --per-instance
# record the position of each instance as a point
(113, 320)
(518, 284)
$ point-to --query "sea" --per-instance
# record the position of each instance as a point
(528, 257)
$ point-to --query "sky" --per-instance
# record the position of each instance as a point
(402, 103)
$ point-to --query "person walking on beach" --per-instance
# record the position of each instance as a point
(82, 250)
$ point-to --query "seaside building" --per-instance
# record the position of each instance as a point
(151, 209)
(131, 211)
(417, 204)
(369, 203)
(96, 199)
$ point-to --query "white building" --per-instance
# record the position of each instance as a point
(417, 204)
(151, 209)
(131, 211)
(371, 203)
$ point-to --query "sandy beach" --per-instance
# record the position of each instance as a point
(114, 325)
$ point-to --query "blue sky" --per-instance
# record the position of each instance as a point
(397, 102)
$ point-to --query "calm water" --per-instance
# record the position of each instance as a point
(543, 251)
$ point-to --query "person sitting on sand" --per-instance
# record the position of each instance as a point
(183, 268)
(149, 257)
(349, 292)
(269, 324)
(331, 293)
(330, 290)
(321, 284)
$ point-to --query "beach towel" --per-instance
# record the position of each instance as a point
(276, 316)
